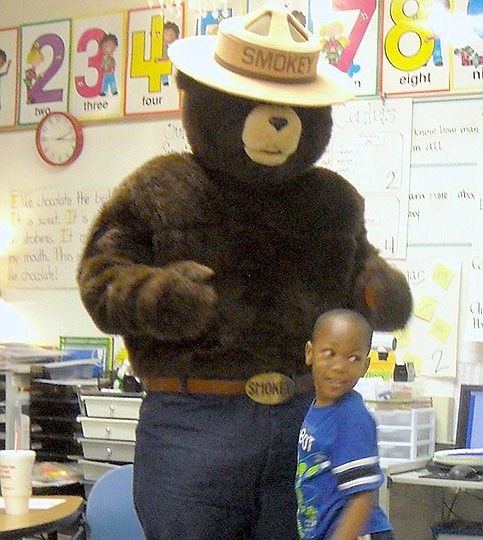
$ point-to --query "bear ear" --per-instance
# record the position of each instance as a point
(183, 81)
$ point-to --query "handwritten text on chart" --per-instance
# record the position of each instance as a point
(51, 228)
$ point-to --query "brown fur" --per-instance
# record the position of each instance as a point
(210, 265)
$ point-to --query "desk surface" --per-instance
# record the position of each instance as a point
(415, 478)
(41, 521)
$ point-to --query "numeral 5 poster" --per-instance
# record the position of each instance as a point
(97, 66)
(44, 71)
(150, 86)
(348, 34)
(415, 49)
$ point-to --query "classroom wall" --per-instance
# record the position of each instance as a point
(112, 149)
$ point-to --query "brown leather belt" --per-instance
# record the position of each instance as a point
(225, 387)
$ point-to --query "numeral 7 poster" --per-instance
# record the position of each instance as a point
(348, 34)
(150, 86)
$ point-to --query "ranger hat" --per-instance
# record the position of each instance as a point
(266, 55)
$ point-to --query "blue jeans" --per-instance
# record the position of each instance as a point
(109, 81)
(217, 467)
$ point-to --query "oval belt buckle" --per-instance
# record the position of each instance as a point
(270, 388)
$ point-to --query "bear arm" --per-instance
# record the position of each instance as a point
(125, 295)
(381, 291)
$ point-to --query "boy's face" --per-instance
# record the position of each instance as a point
(169, 36)
(339, 357)
(109, 46)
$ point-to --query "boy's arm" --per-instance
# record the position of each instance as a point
(353, 516)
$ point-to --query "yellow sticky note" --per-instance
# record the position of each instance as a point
(443, 275)
(403, 337)
(416, 360)
(440, 330)
(425, 308)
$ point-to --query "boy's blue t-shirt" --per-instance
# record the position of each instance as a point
(337, 456)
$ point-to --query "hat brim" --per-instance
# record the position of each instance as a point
(195, 57)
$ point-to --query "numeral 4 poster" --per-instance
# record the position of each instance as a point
(150, 86)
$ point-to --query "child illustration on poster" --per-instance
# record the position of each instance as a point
(8, 76)
(170, 35)
(348, 34)
(147, 88)
(98, 66)
(467, 73)
(4, 69)
(209, 22)
(34, 59)
(44, 70)
(416, 51)
(109, 44)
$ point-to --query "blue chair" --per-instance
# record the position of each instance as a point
(110, 513)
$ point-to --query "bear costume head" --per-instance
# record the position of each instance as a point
(216, 263)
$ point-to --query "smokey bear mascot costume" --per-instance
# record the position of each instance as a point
(213, 265)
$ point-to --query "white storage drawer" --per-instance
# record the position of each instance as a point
(404, 434)
(112, 407)
(93, 470)
(405, 452)
(108, 428)
(403, 417)
(108, 450)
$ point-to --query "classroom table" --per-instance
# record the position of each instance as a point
(41, 520)
(415, 502)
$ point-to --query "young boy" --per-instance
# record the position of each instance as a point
(338, 469)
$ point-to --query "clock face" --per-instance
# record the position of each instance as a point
(59, 138)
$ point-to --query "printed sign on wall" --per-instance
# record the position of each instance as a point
(45, 69)
(415, 50)
(370, 147)
(150, 86)
(348, 33)
(8, 76)
(98, 53)
(467, 45)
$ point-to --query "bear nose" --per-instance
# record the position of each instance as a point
(278, 122)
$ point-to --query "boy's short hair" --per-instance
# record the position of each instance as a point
(3, 55)
(347, 314)
(172, 26)
(110, 37)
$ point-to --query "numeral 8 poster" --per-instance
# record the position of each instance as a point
(415, 47)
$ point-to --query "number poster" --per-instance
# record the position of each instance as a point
(149, 84)
(96, 86)
(8, 76)
(96, 67)
(116, 64)
(348, 34)
(432, 46)
(44, 69)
